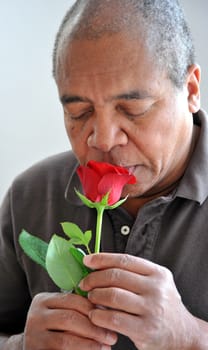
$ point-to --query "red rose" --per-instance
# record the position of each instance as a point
(99, 178)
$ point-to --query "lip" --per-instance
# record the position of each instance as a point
(131, 169)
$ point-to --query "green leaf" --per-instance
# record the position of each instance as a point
(88, 236)
(81, 292)
(76, 241)
(34, 247)
(78, 254)
(75, 233)
(62, 267)
(72, 230)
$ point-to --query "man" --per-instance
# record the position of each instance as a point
(129, 86)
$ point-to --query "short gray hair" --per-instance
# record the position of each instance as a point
(161, 23)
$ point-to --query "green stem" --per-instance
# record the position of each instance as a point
(88, 249)
(100, 211)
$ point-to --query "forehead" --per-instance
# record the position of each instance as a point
(98, 56)
(107, 63)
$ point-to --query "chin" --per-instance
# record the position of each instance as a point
(130, 191)
(135, 191)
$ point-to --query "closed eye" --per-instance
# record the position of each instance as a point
(79, 116)
(132, 113)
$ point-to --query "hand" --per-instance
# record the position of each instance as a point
(141, 302)
(60, 321)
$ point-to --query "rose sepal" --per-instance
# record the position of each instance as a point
(85, 200)
(103, 203)
(117, 203)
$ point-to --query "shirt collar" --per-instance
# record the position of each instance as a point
(194, 183)
(73, 183)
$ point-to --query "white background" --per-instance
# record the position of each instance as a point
(31, 121)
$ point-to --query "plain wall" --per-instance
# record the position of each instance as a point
(31, 119)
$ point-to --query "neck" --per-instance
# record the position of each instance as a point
(132, 205)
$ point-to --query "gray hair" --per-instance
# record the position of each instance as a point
(160, 23)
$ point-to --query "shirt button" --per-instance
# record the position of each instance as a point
(125, 230)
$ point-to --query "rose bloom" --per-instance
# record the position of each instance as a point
(100, 178)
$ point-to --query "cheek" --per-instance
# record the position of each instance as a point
(148, 140)
(77, 140)
(68, 126)
(73, 131)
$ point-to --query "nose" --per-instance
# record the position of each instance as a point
(106, 133)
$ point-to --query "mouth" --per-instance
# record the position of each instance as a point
(131, 169)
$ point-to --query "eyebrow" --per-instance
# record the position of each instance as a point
(132, 95)
(65, 99)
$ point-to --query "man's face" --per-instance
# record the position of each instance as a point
(120, 109)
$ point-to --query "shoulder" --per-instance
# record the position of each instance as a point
(48, 175)
(52, 163)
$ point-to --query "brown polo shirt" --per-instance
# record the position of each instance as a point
(171, 231)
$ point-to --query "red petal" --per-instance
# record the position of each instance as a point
(113, 183)
(98, 178)
(89, 179)
(132, 179)
(103, 168)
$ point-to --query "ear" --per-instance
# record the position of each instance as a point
(193, 87)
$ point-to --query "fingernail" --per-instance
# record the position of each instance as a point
(105, 347)
(81, 285)
(111, 338)
(87, 260)
(90, 314)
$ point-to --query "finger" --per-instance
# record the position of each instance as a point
(123, 261)
(77, 324)
(64, 340)
(63, 301)
(119, 299)
(127, 324)
(115, 277)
